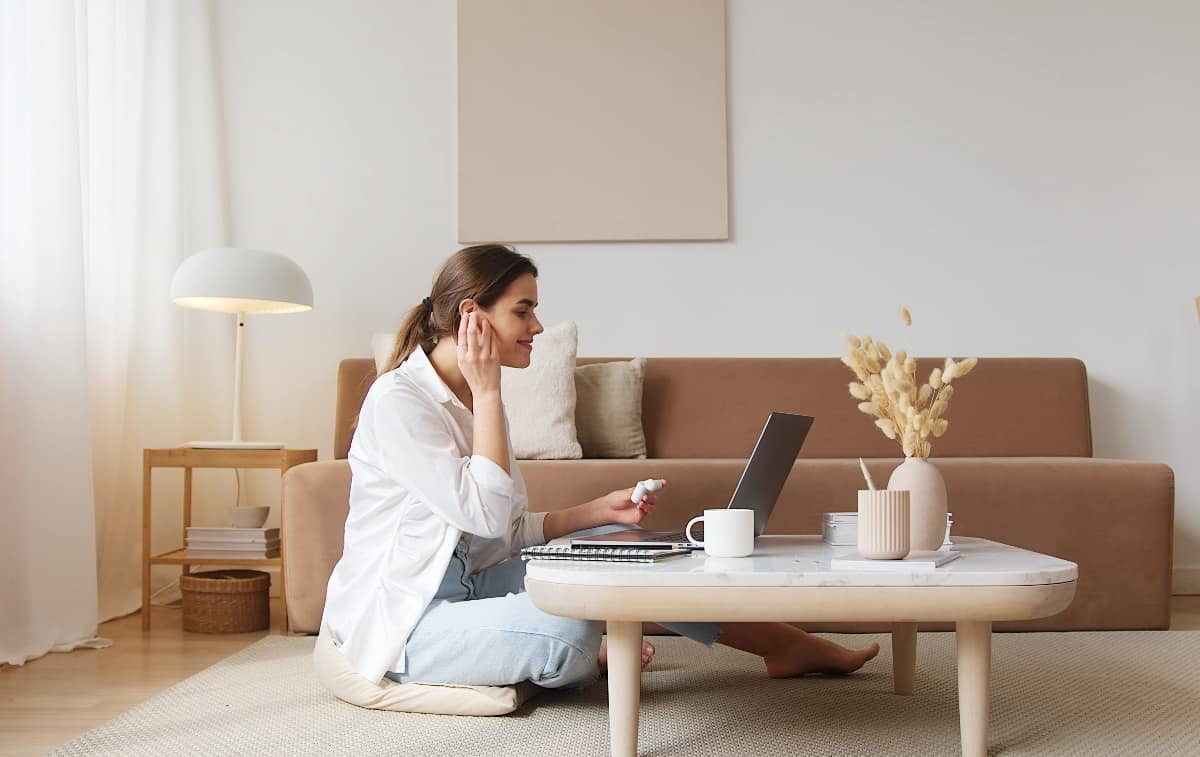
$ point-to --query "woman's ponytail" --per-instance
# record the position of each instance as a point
(481, 273)
(414, 331)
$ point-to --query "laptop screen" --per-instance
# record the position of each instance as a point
(769, 466)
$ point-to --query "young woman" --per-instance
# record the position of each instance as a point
(429, 587)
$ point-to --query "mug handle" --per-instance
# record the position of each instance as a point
(688, 530)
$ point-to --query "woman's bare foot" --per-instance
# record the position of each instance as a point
(788, 651)
(817, 655)
(647, 654)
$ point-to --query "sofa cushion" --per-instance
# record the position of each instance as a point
(433, 698)
(540, 400)
(608, 409)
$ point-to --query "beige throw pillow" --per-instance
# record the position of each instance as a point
(540, 399)
(608, 409)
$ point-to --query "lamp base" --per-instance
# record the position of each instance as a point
(229, 444)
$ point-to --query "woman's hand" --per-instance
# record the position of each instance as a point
(613, 507)
(621, 508)
(478, 354)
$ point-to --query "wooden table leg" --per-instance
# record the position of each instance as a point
(904, 657)
(187, 512)
(145, 540)
(624, 686)
(974, 684)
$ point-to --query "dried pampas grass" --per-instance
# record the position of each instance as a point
(888, 389)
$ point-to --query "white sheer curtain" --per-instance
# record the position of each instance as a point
(110, 174)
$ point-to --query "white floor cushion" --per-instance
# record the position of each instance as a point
(433, 698)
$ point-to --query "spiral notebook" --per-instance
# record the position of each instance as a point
(603, 554)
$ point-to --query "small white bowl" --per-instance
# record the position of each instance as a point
(249, 517)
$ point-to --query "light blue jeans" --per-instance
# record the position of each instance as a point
(482, 630)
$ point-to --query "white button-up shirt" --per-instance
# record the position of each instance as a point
(415, 490)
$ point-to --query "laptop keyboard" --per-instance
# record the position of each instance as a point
(681, 536)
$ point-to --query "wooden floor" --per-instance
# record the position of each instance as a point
(57, 697)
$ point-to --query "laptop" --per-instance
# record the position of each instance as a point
(758, 489)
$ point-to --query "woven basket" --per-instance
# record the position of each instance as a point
(226, 601)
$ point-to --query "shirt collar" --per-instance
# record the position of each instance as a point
(421, 371)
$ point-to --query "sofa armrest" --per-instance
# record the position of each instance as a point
(1114, 518)
(315, 503)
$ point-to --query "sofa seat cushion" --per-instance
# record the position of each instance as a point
(430, 698)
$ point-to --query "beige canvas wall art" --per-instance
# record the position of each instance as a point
(592, 120)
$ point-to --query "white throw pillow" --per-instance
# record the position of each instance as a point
(540, 399)
(608, 409)
(435, 698)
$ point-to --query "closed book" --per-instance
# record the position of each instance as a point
(232, 534)
(234, 554)
(840, 534)
(915, 562)
(233, 546)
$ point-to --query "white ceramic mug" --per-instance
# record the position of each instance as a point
(727, 532)
(883, 523)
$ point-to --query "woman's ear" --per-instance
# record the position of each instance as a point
(466, 306)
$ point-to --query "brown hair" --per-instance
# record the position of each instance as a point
(481, 273)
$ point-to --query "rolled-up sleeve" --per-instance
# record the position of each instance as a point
(528, 530)
(472, 493)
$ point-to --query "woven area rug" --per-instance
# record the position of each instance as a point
(1109, 693)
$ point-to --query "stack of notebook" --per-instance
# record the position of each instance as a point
(841, 529)
(234, 543)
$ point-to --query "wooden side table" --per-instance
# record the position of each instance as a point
(189, 458)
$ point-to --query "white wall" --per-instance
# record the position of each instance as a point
(1024, 176)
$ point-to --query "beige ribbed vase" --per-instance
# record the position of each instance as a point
(883, 523)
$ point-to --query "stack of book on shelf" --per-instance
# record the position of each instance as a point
(234, 543)
(841, 529)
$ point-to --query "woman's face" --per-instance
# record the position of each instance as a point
(514, 321)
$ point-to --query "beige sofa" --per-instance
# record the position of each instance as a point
(1017, 461)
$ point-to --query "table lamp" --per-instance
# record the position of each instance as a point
(240, 281)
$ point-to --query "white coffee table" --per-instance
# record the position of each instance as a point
(788, 578)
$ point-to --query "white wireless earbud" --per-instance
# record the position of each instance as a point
(639, 491)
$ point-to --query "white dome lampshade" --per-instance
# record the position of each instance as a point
(232, 280)
(240, 281)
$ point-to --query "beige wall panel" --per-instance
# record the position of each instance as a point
(582, 120)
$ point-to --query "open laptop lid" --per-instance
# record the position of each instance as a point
(769, 466)
(758, 489)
